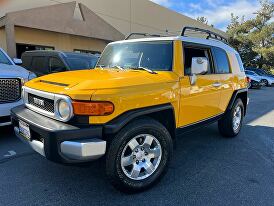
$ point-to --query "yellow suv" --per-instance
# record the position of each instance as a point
(142, 94)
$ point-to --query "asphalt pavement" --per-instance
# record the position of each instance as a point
(206, 169)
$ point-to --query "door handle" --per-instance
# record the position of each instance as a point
(217, 84)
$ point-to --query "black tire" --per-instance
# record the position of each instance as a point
(265, 82)
(225, 124)
(114, 169)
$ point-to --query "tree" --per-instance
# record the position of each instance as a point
(253, 38)
(203, 20)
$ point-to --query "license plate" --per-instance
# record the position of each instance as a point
(24, 129)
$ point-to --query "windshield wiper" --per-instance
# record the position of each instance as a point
(145, 69)
(118, 67)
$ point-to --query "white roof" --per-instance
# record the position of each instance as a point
(210, 42)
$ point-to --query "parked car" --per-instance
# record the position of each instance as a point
(132, 106)
(46, 62)
(254, 81)
(260, 72)
(12, 78)
(266, 80)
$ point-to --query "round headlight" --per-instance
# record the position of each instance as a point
(64, 109)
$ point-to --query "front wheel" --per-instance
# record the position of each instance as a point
(231, 123)
(138, 155)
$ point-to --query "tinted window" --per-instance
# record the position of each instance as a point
(247, 72)
(56, 65)
(39, 64)
(81, 62)
(240, 62)
(4, 59)
(221, 61)
(154, 55)
(190, 52)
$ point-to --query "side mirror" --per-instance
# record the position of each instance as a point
(199, 65)
(17, 61)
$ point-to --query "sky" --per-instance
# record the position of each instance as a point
(218, 12)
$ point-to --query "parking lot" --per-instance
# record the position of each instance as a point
(206, 169)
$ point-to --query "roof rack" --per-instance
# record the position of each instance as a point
(142, 34)
(211, 34)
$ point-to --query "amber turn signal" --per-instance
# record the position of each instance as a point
(93, 108)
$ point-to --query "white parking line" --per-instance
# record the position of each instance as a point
(10, 154)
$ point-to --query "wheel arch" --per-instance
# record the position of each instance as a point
(161, 113)
(243, 95)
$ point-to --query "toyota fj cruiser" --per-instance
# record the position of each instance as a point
(142, 94)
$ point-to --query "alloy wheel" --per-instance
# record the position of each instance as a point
(141, 157)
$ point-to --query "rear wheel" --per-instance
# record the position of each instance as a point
(230, 125)
(265, 82)
(138, 155)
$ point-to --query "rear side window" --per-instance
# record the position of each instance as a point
(240, 63)
(221, 61)
(39, 64)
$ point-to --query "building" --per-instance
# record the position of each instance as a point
(83, 26)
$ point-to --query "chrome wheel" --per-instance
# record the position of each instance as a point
(237, 118)
(141, 157)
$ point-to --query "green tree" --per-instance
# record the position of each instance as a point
(253, 38)
(203, 20)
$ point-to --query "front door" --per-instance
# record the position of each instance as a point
(200, 101)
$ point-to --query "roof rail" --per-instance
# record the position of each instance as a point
(211, 34)
(142, 34)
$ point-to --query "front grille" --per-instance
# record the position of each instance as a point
(41, 103)
(10, 90)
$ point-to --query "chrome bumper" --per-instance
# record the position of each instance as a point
(77, 150)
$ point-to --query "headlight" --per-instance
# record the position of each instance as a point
(64, 110)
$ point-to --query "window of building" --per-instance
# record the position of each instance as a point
(221, 61)
(21, 48)
(197, 51)
(86, 51)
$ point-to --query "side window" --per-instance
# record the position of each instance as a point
(221, 61)
(190, 52)
(39, 65)
(56, 65)
(240, 63)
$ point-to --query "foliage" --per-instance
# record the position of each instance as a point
(203, 20)
(253, 38)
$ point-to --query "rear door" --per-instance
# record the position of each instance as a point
(200, 101)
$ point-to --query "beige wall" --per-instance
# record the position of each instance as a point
(59, 41)
(125, 15)
(3, 43)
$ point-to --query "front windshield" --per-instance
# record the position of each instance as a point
(153, 55)
(4, 59)
(81, 62)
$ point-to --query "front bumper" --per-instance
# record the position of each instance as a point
(5, 112)
(57, 141)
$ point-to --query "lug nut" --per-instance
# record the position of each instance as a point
(136, 150)
(134, 156)
(143, 160)
(142, 149)
(146, 153)
(137, 162)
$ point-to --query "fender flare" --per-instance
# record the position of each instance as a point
(234, 97)
(119, 122)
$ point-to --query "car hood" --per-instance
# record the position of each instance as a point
(11, 71)
(98, 79)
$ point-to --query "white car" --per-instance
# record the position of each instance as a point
(266, 80)
(12, 78)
